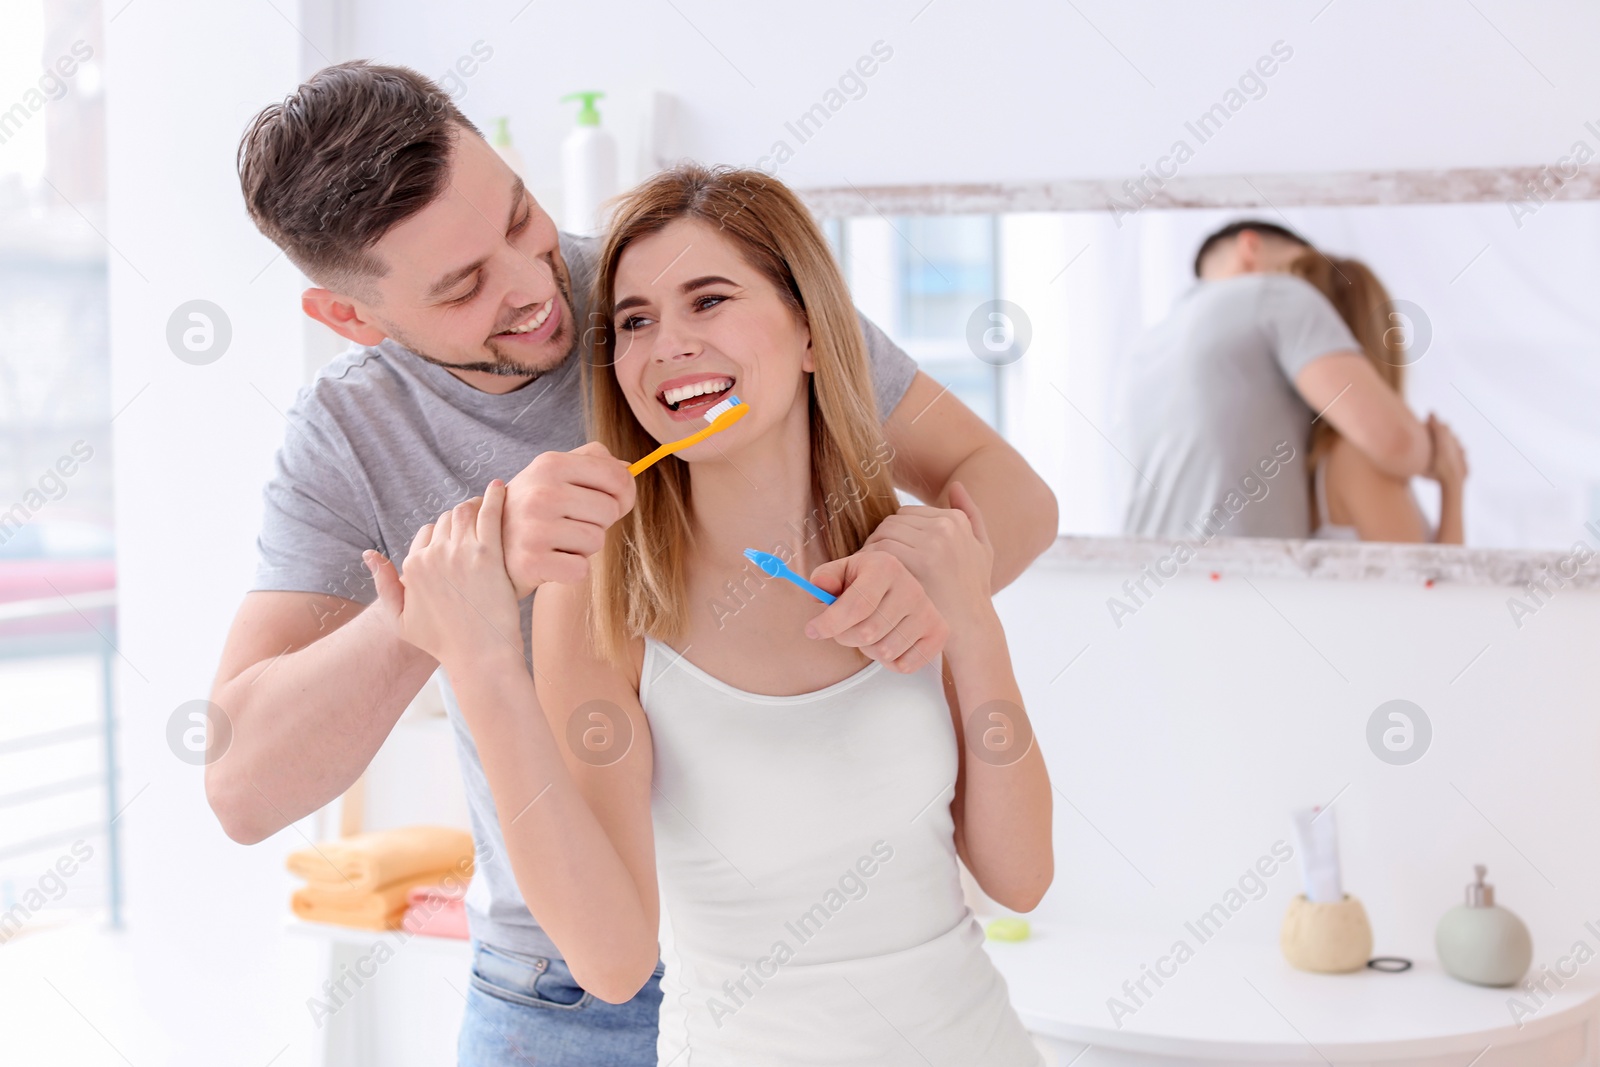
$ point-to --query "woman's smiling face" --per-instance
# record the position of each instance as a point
(696, 323)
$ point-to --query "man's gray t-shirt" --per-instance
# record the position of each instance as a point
(1213, 422)
(379, 444)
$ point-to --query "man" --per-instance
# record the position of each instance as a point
(1223, 394)
(468, 313)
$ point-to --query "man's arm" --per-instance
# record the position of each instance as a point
(311, 685)
(937, 440)
(1345, 388)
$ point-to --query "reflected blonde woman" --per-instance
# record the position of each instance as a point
(1352, 499)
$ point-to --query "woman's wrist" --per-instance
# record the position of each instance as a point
(977, 637)
(470, 666)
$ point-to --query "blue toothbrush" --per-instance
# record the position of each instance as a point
(777, 568)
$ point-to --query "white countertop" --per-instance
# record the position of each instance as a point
(1242, 1001)
(1236, 1002)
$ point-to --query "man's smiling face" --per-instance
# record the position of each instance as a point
(475, 280)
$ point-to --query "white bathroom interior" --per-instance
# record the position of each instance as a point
(1180, 735)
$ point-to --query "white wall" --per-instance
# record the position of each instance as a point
(1020, 89)
(1184, 737)
(194, 446)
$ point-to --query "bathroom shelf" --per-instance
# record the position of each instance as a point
(1243, 1004)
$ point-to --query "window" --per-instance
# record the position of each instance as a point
(948, 271)
(57, 571)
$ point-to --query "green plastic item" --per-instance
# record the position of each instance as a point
(502, 132)
(1007, 930)
(587, 115)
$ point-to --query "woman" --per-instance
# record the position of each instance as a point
(797, 808)
(1352, 499)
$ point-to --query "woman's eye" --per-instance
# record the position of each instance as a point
(633, 322)
(705, 302)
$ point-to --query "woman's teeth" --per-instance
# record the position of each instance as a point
(535, 322)
(675, 397)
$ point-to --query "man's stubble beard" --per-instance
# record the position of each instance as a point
(506, 366)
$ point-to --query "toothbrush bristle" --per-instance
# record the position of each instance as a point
(717, 409)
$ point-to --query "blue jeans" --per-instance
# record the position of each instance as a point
(526, 1010)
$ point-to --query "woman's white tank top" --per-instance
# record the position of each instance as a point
(811, 905)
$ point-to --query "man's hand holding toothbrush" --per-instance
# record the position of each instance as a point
(559, 507)
(557, 511)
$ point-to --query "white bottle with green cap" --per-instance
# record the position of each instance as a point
(588, 168)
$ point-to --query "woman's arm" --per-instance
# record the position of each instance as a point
(593, 712)
(1002, 806)
(1002, 803)
(1452, 528)
(587, 872)
(1449, 469)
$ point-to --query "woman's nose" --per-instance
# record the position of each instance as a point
(673, 342)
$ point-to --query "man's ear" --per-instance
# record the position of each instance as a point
(340, 315)
(1247, 250)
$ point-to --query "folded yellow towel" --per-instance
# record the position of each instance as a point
(382, 908)
(383, 857)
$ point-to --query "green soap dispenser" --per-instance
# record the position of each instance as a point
(1481, 942)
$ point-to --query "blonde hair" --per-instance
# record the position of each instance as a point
(637, 581)
(1365, 306)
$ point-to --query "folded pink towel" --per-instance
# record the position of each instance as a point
(436, 911)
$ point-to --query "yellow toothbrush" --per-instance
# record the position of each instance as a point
(720, 416)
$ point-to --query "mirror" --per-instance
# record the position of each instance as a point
(1036, 320)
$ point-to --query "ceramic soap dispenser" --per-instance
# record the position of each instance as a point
(1481, 942)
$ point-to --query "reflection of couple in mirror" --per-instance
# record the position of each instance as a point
(1270, 403)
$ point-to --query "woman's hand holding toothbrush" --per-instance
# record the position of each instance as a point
(455, 600)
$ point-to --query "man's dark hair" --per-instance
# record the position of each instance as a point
(354, 151)
(1234, 229)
